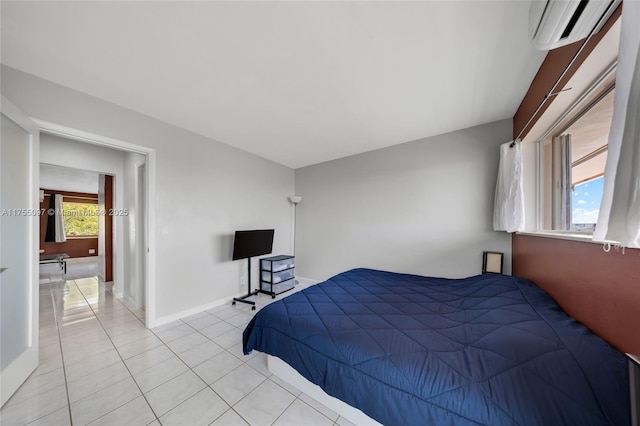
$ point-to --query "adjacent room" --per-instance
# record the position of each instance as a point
(322, 213)
(72, 236)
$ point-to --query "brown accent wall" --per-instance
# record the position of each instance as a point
(108, 245)
(601, 290)
(74, 247)
(550, 70)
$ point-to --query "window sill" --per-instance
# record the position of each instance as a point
(572, 236)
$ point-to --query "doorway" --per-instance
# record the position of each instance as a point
(141, 175)
(78, 190)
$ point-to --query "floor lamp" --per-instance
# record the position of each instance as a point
(294, 199)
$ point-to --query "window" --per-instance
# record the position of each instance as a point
(573, 159)
(80, 217)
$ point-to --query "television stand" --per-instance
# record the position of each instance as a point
(250, 293)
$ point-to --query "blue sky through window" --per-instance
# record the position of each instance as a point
(585, 201)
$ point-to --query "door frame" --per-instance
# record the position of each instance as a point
(150, 154)
(141, 200)
(17, 372)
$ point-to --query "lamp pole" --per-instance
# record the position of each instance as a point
(294, 199)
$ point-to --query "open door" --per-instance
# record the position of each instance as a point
(19, 204)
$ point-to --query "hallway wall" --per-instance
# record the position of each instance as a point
(205, 190)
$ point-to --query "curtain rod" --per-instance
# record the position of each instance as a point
(551, 92)
(589, 91)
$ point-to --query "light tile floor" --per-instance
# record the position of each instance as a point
(99, 365)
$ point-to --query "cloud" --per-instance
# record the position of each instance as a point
(586, 193)
(584, 216)
(582, 202)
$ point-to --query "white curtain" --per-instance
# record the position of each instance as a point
(59, 220)
(619, 217)
(508, 212)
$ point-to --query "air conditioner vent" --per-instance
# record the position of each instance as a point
(555, 23)
(574, 19)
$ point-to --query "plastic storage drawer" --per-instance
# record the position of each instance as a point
(277, 274)
(278, 277)
(278, 265)
(282, 287)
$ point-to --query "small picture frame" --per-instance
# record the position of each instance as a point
(492, 262)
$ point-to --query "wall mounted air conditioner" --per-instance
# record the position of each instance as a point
(555, 23)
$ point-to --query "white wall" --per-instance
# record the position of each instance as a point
(133, 283)
(65, 152)
(68, 179)
(58, 151)
(205, 191)
(423, 207)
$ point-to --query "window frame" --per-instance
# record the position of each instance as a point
(600, 89)
(77, 199)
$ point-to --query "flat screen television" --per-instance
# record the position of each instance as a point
(252, 243)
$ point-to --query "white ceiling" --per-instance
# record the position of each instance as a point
(295, 82)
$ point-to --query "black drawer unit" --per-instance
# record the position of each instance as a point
(277, 274)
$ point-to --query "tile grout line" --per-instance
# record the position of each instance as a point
(172, 351)
(120, 356)
(60, 345)
(296, 397)
(213, 390)
(207, 385)
(64, 368)
(56, 315)
(175, 354)
(188, 367)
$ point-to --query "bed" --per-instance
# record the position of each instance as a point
(414, 350)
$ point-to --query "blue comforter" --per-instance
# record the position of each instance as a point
(413, 350)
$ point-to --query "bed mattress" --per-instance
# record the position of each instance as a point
(414, 350)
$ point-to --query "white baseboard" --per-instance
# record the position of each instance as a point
(130, 303)
(195, 310)
(302, 284)
(306, 282)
